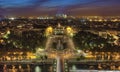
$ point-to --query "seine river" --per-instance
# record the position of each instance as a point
(25, 68)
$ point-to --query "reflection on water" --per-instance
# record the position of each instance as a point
(16, 68)
(25, 68)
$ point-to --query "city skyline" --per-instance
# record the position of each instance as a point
(52, 7)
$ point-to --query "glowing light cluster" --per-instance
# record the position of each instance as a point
(49, 31)
(69, 31)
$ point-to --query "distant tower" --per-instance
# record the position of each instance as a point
(61, 12)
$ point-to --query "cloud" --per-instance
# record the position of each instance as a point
(16, 3)
(57, 6)
(62, 3)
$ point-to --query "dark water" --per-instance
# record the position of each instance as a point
(25, 68)
(94, 66)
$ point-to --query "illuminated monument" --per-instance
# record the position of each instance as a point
(59, 45)
(59, 30)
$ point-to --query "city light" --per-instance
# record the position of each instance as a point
(49, 31)
(12, 18)
(74, 40)
(59, 36)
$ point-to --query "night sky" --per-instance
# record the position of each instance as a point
(52, 7)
